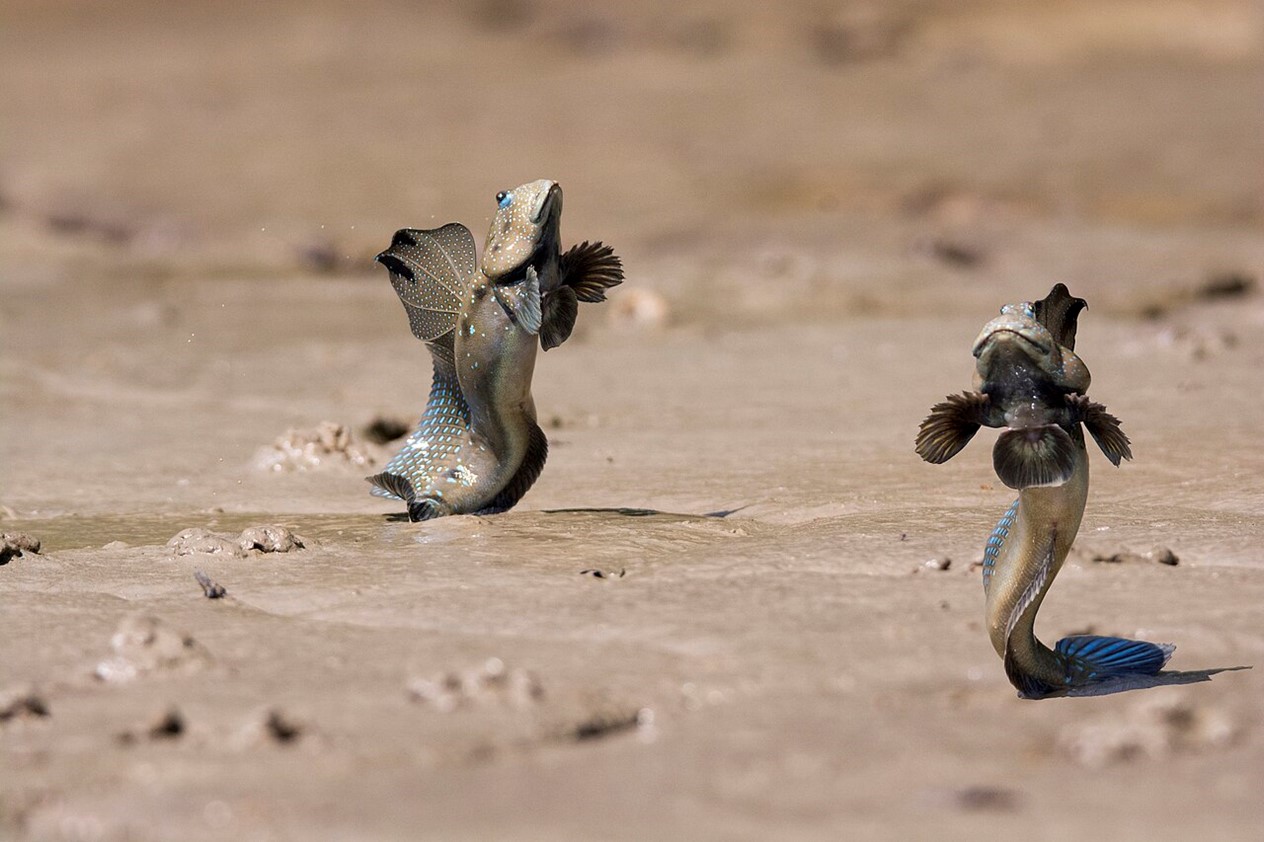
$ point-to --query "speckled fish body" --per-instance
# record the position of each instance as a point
(1030, 383)
(478, 447)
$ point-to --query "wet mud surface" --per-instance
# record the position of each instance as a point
(817, 213)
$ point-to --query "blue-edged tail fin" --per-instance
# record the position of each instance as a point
(1090, 658)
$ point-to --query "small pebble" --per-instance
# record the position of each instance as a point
(14, 544)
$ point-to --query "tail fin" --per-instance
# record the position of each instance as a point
(1091, 658)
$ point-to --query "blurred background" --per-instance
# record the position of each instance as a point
(191, 195)
(752, 161)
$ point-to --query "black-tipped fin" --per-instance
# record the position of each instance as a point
(430, 271)
(524, 477)
(950, 426)
(391, 485)
(419, 508)
(1103, 426)
(590, 269)
(1059, 312)
(1033, 457)
(561, 306)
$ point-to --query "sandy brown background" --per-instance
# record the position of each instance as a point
(818, 205)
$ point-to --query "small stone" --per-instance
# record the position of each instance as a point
(144, 644)
(14, 544)
(639, 309)
(21, 702)
(210, 588)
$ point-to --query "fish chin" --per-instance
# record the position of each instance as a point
(547, 202)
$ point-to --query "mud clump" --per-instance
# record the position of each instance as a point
(264, 539)
(490, 683)
(168, 725)
(145, 645)
(1158, 555)
(273, 727)
(21, 702)
(1156, 728)
(328, 443)
(14, 544)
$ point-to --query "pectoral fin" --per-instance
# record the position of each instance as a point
(1103, 426)
(587, 271)
(561, 306)
(590, 269)
(950, 426)
(521, 301)
(1032, 457)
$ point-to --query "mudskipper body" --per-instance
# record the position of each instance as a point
(478, 448)
(1030, 383)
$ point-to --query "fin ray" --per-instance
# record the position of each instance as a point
(430, 271)
(590, 269)
(1033, 457)
(950, 426)
(1102, 426)
(1091, 658)
(561, 306)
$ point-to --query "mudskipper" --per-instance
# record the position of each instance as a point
(478, 448)
(1030, 383)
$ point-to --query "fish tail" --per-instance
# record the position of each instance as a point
(1090, 658)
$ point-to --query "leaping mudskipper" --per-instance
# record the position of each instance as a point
(1029, 382)
(478, 447)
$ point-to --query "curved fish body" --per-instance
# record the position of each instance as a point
(478, 447)
(1030, 383)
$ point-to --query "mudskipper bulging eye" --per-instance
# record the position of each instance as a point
(504, 199)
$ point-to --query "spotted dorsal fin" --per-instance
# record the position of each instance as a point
(1059, 312)
(431, 272)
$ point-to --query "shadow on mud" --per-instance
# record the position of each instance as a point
(1145, 682)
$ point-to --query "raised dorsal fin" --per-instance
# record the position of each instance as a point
(1059, 312)
(431, 271)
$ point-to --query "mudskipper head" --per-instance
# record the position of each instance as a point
(527, 218)
(1017, 340)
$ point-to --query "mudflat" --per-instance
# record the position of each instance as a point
(735, 605)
